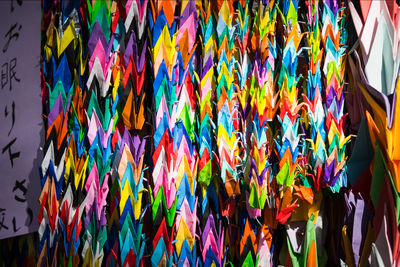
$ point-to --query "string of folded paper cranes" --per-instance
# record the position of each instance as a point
(214, 133)
(373, 214)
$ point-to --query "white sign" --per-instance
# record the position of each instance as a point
(20, 116)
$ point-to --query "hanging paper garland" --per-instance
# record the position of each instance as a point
(215, 133)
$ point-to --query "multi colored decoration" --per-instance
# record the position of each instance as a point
(216, 133)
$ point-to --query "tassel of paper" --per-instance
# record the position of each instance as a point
(248, 228)
(313, 99)
(263, 109)
(83, 170)
(227, 124)
(301, 230)
(248, 245)
(130, 74)
(166, 73)
(123, 78)
(374, 164)
(100, 122)
(288, 143)
(59, 89)
(90, 125)
(227, 110)
(185, 153)
(263, 104)
(209, 215)
(334, 39)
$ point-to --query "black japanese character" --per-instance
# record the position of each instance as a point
(21, 187)
(8, 73)
(19, 2)
(3, 215)
(14, 222)
(11, 154)
(12, 116)
(11, 35)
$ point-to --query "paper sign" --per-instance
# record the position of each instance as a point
(20, 116)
